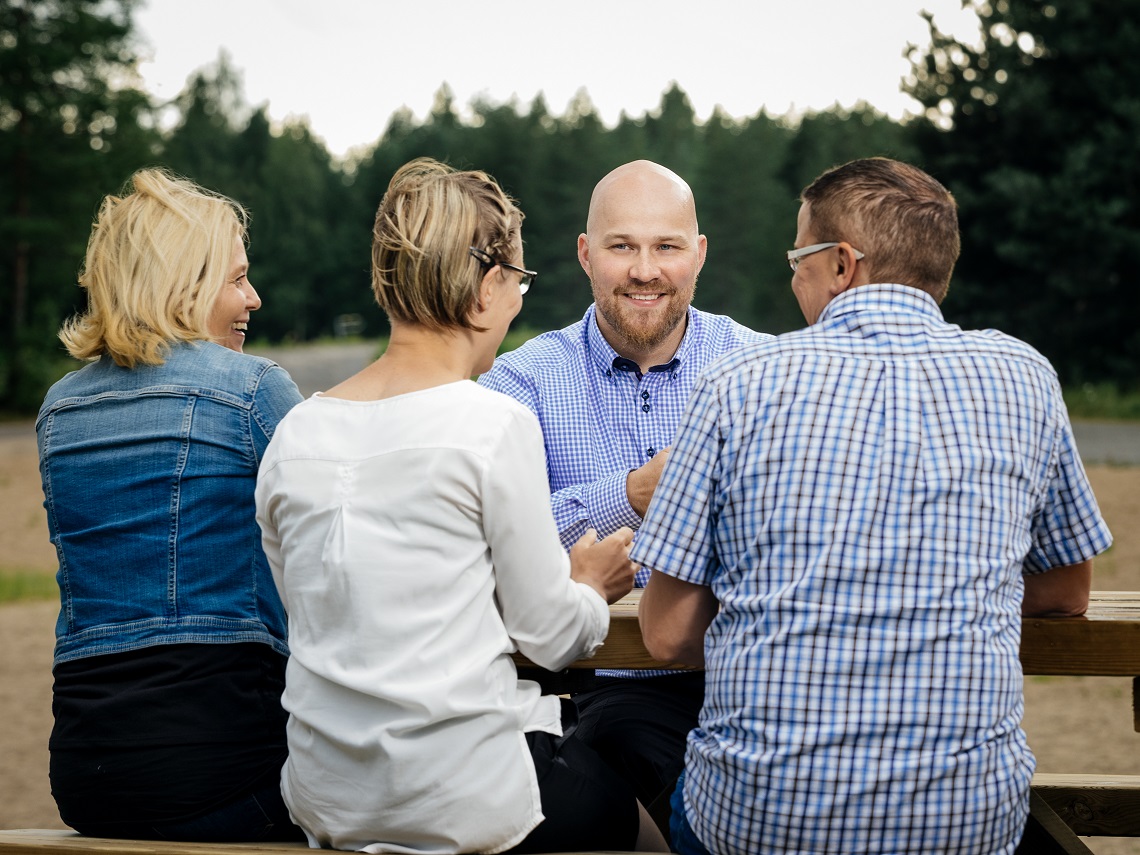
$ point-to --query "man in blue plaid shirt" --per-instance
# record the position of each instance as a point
(609, 391)
(853, 521)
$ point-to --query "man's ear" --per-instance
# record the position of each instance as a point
(702, 248)
(584, 253)
(845, 268)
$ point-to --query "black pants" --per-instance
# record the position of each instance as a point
(256, 815)
(587, 806)
(639, 728)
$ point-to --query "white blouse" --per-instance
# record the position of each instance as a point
(412, 543)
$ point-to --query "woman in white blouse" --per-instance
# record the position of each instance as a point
(406, 517)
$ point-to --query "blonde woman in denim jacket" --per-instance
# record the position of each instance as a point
(170, 644)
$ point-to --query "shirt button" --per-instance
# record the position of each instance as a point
(645, 396)
(609, 373)
(645, 407)
(649, 452)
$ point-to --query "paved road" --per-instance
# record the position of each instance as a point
(317, 367)
(320, 366)
(313, 368)
(1108, 442)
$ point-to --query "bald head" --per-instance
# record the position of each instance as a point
(641, 183)
(642, 251)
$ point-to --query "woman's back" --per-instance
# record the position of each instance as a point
(417, 544)
(148, 478)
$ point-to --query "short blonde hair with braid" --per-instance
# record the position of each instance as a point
(423, 271)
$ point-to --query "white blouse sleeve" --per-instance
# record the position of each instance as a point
(552, 619)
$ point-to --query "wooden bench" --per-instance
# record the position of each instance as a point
(1104, 642)
(1093, 805)
(39, 841)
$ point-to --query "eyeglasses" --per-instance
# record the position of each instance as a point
(795, 255)
(484, 258)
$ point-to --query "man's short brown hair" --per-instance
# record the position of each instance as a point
(904, 221)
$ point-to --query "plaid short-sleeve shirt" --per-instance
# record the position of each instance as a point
(863, 497)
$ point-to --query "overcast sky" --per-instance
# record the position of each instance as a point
(350, 64)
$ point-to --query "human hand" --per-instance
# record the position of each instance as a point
(604, 564)
(641, 482)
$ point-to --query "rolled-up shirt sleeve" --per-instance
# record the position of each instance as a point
(602, 505)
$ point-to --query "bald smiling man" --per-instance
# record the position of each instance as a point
(609, 391)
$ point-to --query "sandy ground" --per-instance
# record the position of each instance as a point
(1074, 724)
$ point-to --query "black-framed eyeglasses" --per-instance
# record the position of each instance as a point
(796, 255)
(484, 258)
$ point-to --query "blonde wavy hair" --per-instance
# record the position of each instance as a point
(157, 259)
(431, 215)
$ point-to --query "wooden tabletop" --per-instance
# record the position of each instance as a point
(1104, 642)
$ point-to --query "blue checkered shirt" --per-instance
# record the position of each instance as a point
(863, 497)
(601, 419)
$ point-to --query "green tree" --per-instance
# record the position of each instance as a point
(748, 214)
(838, 135)
(73, 126)
(309, 261)
(206, 143)
(672, 136)
(1033, 128)
(308, 248)
(573, 155)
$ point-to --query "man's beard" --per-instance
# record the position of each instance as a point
(640, 336)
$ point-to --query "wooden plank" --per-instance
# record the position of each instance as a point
(1093, 805)
(624, 647)
(1046, 833)
(1105, 642)
(40, 841)
(1081, 647)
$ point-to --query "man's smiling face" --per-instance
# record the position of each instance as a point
(642, 253)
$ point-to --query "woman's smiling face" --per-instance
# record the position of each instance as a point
(230, 316)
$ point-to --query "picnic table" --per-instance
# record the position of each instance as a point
(1104, 642)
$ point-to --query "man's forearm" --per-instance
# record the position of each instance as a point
(674, 617)
(1058, 592)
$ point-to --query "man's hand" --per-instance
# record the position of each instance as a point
(640, 483)
(604, 565)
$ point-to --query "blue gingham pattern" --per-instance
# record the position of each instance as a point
(862, 497)
(600, 422)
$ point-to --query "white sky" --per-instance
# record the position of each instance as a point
(350, 64)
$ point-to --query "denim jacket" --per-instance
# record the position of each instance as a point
(148, 477)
